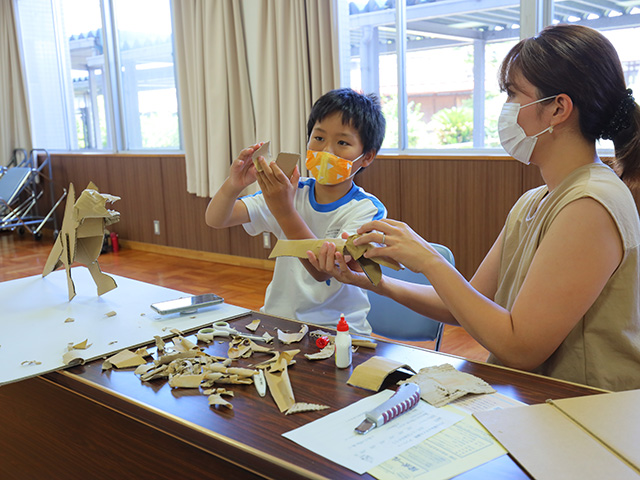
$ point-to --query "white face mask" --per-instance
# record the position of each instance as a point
(512, 137)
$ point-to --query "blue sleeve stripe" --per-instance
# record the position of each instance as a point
(381, 213)
(252, 195)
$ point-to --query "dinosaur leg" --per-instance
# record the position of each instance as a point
(53, 261)
(103, 281)
(70, 285)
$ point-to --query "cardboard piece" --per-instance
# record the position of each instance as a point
(72, 357)
(371, 373)
(442, 384)
(243, 347)
(263, 151)
(305, 407)
(326, 352)
(186, 381)
(253, 326)
(123, 359)
(278, 381)
(371, 266)
(81, 237)
(288, 338)
(590, 437)
(216, 399)
(285, 160)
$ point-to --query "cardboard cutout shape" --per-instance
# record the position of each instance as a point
(81, 236)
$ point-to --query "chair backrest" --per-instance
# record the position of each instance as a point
(12, 182)
(393, 320)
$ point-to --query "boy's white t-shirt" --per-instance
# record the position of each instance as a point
(293, 292)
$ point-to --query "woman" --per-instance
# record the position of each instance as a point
(559, 291)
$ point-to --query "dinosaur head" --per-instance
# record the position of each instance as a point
(93, 204)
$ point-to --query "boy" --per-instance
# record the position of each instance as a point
(345, 132)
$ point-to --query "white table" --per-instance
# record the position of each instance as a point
(33, 311)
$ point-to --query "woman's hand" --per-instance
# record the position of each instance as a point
(399, 242)
(344, 269)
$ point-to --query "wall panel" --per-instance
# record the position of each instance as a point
(382, 179)
(459, 203)
(137, 180)
(184, 214)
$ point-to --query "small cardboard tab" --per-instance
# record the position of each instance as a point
(287, 162)
(263, 151)
(371, 373)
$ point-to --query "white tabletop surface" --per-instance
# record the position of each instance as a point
(33, 311)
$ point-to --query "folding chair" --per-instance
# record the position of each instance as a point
(391, 319)
(20, 190)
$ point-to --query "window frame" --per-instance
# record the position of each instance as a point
(117, 136)
(534, 16)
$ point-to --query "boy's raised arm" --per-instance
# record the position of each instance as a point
(224, 209)
(278, 192)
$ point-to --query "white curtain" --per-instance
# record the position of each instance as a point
(214, 91)
(15, 129)
(298, 63)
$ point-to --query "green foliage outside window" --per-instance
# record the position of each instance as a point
(453, 125)
(416, 128)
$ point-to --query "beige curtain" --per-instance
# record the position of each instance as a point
(297, 64)
(214, 91)
(15, 128)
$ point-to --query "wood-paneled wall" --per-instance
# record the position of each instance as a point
(461, 202)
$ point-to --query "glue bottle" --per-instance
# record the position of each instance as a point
(343, 344)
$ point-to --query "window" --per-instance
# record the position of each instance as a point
(434, 62)
(100, 74)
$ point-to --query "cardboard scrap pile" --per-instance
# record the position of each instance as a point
(185, 365)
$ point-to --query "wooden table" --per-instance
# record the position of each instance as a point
(85, 423)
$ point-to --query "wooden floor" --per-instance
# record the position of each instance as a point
(242, 286)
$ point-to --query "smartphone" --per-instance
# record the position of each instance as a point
(187, 304)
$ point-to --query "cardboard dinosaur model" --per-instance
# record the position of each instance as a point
(81, 236)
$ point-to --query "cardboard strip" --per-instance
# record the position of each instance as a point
(371, 266)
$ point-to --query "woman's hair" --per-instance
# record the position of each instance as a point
(582, 63)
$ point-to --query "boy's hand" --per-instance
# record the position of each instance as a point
(342, 268)
(277, 189)
(243, 171)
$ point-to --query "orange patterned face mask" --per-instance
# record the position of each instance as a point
(327, 168)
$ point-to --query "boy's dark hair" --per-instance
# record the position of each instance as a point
(362, 112)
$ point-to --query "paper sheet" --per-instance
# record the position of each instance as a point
(333, 436)
(587, 437)
(459, 448)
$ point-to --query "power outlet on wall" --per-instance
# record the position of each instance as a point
(156, 227)
(266, 240)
